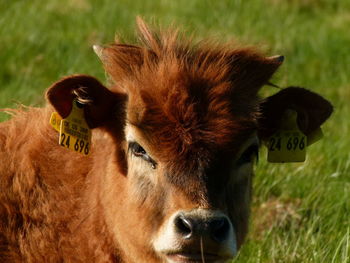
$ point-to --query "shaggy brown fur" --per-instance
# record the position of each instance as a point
(193, 107)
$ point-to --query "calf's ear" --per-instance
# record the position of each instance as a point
(312, 110)
(250, 71)
(120, 60)
(99, 102)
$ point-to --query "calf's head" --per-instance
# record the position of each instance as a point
(184, 121)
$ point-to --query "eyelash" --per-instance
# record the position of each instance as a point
(137, 150)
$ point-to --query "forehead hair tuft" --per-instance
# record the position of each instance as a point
(188, 99)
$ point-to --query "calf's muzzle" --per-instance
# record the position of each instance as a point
(192, 226)
(190, 235)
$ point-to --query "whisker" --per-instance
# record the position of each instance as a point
(202, 250)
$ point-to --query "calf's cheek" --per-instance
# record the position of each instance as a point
(239, 199)
(143, 205)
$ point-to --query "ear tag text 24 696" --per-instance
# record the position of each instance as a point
(288, 144)
(74, 133)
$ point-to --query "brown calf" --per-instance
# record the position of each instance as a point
(168, 178)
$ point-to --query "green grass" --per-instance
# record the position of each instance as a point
(41, 41)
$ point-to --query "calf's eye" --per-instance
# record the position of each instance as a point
(249, 154)
(137, 150)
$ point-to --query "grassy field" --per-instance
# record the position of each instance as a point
(301, 212)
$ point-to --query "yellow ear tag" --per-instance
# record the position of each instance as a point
(288, 144)
(74, 132)
(55, 121)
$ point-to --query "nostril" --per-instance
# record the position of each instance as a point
(207, 226)
(219, 229)
(184, 226)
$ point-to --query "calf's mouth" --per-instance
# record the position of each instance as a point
(192, 257)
